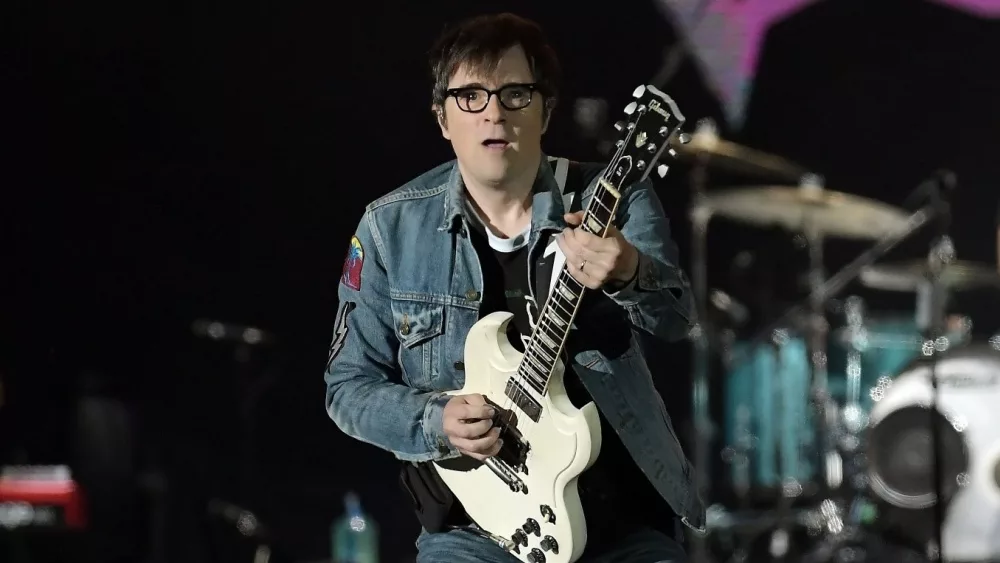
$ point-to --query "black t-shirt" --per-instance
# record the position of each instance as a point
(616, 496)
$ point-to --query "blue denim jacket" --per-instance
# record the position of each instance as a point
(410, 292)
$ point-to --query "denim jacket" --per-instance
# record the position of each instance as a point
(411, 290)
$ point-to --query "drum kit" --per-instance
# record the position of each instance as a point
(845, 434)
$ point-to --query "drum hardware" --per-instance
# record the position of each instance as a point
(958, 275)
(941, 255)
(810, 211)
(708, 149)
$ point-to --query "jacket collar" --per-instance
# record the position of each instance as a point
(546, 206)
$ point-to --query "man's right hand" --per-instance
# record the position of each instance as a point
(468, 423)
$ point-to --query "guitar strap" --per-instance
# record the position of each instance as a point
(549, 264)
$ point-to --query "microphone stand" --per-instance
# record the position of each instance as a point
(941, 254)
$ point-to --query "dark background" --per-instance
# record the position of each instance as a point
(175, 161)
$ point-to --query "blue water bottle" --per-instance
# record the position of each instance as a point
(355, 534)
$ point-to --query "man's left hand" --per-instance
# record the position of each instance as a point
(595, 261)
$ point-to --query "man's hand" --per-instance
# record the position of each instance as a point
(468, 423)
(595, 261)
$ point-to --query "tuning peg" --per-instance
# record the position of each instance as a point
(651, 148)
(661, 170)
(619, 125)
(641, 165)
(664, 131)
(630, 108)
(672, 152)
(684, 138)
(639, 91)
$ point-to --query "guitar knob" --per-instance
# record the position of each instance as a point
(536, 556)
(531, 527)
(547, 513)
(519, 538)
(549, 544)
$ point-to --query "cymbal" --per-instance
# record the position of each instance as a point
(733, 157)
(798, 208)
(910, 275)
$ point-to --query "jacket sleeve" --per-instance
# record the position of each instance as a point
(365, 395)
(659, 299)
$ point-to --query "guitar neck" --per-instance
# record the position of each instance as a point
(554, 322)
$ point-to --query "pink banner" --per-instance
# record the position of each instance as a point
(726, 37)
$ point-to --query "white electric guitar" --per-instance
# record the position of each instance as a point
(526, 496)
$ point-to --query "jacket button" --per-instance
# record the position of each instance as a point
(404, 329)
(460, 366)
(472, 295)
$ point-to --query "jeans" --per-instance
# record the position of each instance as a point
(463, 546)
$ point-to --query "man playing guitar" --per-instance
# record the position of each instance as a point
(465, 239)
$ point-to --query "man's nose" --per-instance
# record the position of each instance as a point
(494, 111)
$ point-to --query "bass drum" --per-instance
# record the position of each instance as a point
(900, 456)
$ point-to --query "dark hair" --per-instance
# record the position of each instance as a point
(482, 40)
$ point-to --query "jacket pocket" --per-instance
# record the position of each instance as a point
(419, 326)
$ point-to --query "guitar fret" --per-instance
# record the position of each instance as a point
(557, 336)
(541, 369)
(593, 224)
(546, 340)
(555, 303)
(556, 318)
(544, 353)
(536, 381)
(566, 292)
(530, 373)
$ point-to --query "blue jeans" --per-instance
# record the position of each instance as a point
(463, 546)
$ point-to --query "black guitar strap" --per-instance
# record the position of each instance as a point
(571, 185)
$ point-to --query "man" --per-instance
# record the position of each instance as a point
(461, 241)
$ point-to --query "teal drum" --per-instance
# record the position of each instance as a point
(867, 357)
(769, 432)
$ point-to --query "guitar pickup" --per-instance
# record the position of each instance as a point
(523, 400)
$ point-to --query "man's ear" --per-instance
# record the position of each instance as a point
(442, 120)
(550, 104)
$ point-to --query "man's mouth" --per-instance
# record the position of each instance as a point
(495, 143)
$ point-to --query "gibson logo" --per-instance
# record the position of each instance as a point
(655, 106)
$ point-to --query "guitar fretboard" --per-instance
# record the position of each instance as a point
(554, 322)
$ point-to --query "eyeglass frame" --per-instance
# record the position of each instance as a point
(531, 86)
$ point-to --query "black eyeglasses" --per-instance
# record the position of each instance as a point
(474, 100)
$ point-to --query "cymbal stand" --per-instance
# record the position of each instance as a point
(700, 215)
(942, 253)
(817, 330)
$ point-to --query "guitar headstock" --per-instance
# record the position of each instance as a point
(652, 121)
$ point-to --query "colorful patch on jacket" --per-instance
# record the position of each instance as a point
(351, 276)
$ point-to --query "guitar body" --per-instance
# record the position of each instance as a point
(555, 450)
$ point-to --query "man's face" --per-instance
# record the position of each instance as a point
(496, 144)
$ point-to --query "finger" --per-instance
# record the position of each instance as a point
(475, 412)
(474, 399)
(482, 457)
(568, 247)
(470, 430)
(583, 276)
(481, 445)
(574, 219)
